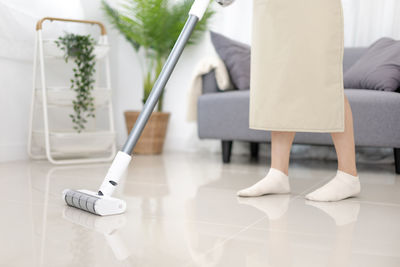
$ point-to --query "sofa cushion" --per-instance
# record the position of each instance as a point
(377, 69)
(376, 117)
(236, 56)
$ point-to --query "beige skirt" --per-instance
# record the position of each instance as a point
(296, 66)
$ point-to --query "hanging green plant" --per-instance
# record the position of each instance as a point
(81, 49)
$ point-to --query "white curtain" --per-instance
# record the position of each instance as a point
(368, 20)
(18, 19)
(365, 20)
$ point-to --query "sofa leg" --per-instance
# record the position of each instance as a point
(254, 148)
(226, 151)
(396, 151)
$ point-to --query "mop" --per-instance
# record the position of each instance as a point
(102, 203)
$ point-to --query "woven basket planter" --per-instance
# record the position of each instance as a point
(151, 141)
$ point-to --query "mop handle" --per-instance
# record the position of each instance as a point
(123, 157)
(161, 82)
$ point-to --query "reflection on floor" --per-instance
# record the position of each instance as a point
(183, 211)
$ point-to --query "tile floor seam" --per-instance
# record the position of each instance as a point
(291, 232)
(295, 196)
(193, 221)
(229, 238)
(389, 204)
(257, 221)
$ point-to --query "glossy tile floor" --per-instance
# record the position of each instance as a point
(183, 211)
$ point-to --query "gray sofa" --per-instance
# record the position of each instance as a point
(225, 116)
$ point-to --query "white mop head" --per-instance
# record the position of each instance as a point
(93, 203)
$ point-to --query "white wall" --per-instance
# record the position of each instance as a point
(364, 22)
(17, 24)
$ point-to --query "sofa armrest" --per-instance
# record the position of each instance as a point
(209, 83)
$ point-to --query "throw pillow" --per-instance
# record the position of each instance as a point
(236, 57)
(377, 69)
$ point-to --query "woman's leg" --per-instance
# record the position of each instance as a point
(346, 183)
(281, 143)
(344, 143)
(276, 181)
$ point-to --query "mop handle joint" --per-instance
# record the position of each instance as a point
(114, 174)
(198, 8)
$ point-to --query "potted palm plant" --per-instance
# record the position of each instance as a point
(152, 27)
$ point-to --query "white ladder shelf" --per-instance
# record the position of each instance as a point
(65, 145)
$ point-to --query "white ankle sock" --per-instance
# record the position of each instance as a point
(275, 182)
(342, 186)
